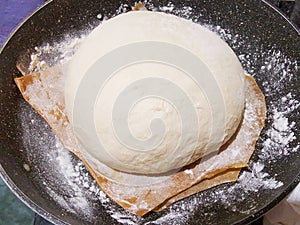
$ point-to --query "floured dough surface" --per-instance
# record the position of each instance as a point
(183, 87)
(43, 91)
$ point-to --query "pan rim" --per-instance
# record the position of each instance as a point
(296, 28)
(27, 201)
(6, 179)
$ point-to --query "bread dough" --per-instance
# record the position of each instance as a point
(148, 92)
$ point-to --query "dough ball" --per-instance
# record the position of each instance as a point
(148, 92)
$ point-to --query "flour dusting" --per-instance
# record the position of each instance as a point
(258, 179)
(49, 55)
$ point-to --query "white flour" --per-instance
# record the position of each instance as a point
(83, 190)
(58, 53)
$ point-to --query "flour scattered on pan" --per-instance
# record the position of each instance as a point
(72, 176)
(249, 182)
(74, 195)
(186, 12)
(257, 178)
(280, 135)
(80, 194)
(49, 55)
(276, 69)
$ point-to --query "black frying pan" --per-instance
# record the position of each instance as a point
(25, 137)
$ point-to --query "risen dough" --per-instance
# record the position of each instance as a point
(153, 116)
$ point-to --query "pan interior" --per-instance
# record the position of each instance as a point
(59, 187)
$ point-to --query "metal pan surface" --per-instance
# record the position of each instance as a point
(268, 47)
